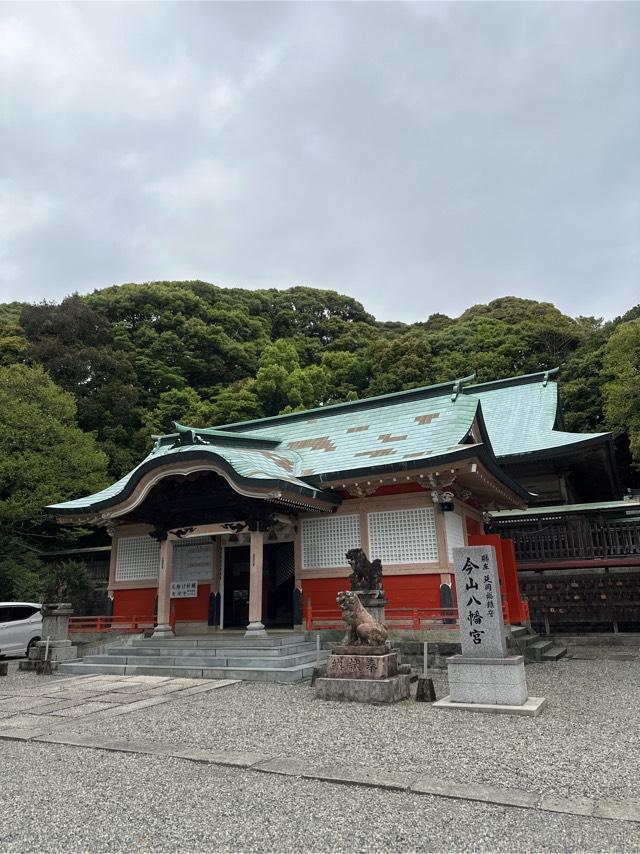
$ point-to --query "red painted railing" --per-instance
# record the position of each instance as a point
(395, 618)
(416, 619)
(110, 624)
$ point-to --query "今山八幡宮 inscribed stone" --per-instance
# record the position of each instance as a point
(479, 602)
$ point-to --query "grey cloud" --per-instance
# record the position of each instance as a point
(421, 157)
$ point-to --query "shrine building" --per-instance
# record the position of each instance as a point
(246, 525)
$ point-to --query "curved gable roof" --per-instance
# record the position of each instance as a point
(251, 470)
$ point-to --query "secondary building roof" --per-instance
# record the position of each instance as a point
(522, 415)
(628, 507)
(254, 468)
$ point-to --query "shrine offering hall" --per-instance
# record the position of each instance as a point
(246, 526)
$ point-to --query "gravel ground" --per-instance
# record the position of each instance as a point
(585, 742)
(57, 798)
(616, 653)
(18, 679)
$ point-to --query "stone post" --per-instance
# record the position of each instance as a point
(165, 576)
(255, 627)
(55, 626)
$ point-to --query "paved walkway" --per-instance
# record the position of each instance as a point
(33, 709)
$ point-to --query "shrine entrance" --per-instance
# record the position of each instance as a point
(278, 583)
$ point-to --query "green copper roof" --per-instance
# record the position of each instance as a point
(393, 432)
(343, 439)
(260, 466)
(520, 414)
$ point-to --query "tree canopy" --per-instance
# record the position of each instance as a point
(44, 458)
(135, 357)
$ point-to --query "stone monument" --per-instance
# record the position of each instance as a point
(362, 668)
(484, 678)
(55, 645)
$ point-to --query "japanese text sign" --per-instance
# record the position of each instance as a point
(479, 602)
(184, 589)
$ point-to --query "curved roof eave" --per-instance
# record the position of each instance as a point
(483, 451)
(253, 487)
(479, 451)
(562, 449)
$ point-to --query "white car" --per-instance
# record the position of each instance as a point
(20, 627)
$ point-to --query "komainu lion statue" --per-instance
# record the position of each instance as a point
(362, 629)
(365, 574)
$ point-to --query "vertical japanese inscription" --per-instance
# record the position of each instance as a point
(479, 602)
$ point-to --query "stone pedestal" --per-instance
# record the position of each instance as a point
(497, 681)
(363, 666)
(373, 601)
(55, 627)
(256, 630)
(364, 678)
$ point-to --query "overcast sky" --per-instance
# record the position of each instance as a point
(420, 157)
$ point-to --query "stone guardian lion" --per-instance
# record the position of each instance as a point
(362, 629)
(365, 574)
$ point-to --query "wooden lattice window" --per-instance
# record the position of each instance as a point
(326, 540)
(403, 536)
(137, 558)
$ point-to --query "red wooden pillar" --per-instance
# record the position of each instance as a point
(506, 559)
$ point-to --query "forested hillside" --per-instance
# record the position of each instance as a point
(135, 357)
(85, 383)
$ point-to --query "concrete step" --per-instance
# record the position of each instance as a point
(519, 631)
(535, 651)
(277, 662)
(555, 653)
(225, 641)
(263, 674)
(534, 647)
(175, 648)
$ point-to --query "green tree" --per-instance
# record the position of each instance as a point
(21, 570)
(44, 456)
(68, 581)
(75, 344)
(184, 405)
(621, 390)
(13, 343)
(282, 385)
(404, 362)
(236, 402)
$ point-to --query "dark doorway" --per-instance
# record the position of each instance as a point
(236, 587)
(278, 582)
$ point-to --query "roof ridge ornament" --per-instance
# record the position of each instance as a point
(458, 384)
(213, 436)
(550, 373)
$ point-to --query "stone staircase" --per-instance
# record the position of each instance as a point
(534, 647)
(276, 658)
